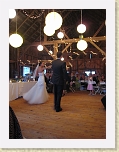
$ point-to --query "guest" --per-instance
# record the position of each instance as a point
(58, 79)
(73, 80)
(90, 84)
(14, 127)
(77, 84)
(49, 84)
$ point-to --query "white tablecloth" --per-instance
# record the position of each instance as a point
(17, 89)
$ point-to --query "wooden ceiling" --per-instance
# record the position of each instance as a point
(30, 20)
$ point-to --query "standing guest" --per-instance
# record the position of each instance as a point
(58, 79)
(90, 84)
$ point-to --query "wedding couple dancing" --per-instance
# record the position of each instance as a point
(38, 93)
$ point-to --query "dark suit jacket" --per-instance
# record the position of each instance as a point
(59, 72)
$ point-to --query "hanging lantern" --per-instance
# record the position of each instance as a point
(53, 19)
(82, 45)
(62, 59)
(12, 13)
(50, 52)
(15, 40)
(60, 35)
(49, 31)
(81, 28)
(40, 47)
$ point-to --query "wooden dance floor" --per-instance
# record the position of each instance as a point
(82, 117)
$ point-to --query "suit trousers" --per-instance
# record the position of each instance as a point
(58, 90)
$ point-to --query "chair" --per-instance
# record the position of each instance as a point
(103, 89)
(96, 89)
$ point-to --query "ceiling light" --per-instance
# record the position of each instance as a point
(60, 35)
(53, 19)
(15, 40)
(40, 47)
(81, 28)
(82, 45)
(62, 59)
(50, 52)
(12, 13)
(48, 30)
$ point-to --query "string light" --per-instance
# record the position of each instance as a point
(33, 16)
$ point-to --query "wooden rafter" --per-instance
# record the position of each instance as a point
(48, 51)
(66, 47)
(99, 29)
(74, 40)
(97, 47)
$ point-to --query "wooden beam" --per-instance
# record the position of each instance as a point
(98, 48)
(25, 20)
(74, 40)
(12, 61)
(99, 29)
(55, 48)
(66, 47)
(24, 51)
(48, 51)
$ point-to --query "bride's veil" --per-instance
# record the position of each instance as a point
(35, 71)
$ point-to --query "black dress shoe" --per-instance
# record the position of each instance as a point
(58, 110)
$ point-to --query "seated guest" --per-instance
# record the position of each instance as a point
(49, 84)
(14, 127)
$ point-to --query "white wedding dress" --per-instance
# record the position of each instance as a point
(38, 93)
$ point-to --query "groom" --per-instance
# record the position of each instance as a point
(58, 79)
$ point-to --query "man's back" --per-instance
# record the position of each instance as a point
(59, 71)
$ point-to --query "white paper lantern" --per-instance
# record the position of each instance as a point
(40, 47)
(53, 19)
(50, 52)
(82, 45)
(60, 35)
(15, 40)
(62, 59)
(49, 31)
(12, 13)
(81, 28)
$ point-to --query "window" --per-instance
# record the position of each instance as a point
(89, 72)
(26, 70)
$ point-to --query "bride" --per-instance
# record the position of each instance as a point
(38, 93)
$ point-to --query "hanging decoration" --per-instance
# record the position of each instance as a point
(49, 31)
(12, 13)
(53, 19)
(62, 59)
(81, 28)
(34, 15)
(82, 45)
(15, 40)
(60, 35)
(40, 47)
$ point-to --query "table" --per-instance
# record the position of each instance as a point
(17, 89)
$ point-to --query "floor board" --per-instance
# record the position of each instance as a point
(82, 117)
